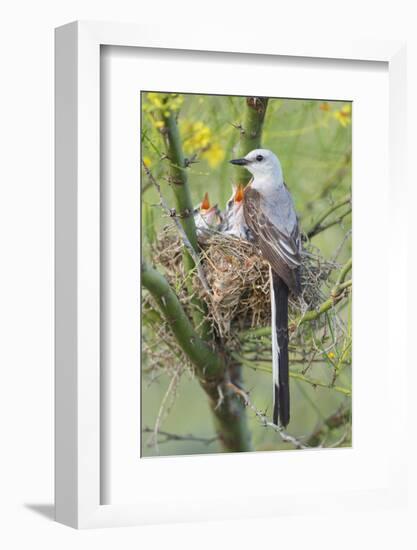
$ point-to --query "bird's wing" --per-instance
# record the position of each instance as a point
(280, 248)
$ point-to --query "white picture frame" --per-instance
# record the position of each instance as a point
(78, 409)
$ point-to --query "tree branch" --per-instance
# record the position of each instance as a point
(332, 422)
(285, 436)
(254, 365)
(168, 436)
(228, 411)
(317, 226)
(251, 133)
(334, 179)
(184, 207)
(183, 235)
(317, 383)
(331, 223)
(208, 363)
(343, 272)
(335, 296)
(178, 176)
(211, 367)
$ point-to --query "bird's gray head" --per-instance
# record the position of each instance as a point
(261, 163)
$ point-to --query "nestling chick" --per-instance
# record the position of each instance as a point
(234, 221)
(207, 219)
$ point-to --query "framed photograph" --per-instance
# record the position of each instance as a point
(228, 325)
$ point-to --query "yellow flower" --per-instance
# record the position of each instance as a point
(159, 124)
(344, 115)
(174, 102)
(197, 136)
(214, 154)
(166, 103)
(147, 161)
(155, 99)
(331, 355)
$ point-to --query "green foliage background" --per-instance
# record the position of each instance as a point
(313, 142)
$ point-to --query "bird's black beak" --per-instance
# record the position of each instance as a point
(240, 162)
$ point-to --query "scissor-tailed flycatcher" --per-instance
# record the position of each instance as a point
(234, 223)
(207, 219)
(270, 215)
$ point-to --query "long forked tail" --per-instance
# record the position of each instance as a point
(280, 371)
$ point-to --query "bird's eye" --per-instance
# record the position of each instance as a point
(259, 158)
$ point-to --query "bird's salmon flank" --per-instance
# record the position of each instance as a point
(270, 216)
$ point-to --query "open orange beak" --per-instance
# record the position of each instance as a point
(205, 205)
(239, 193)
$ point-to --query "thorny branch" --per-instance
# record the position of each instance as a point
(180, 229)
(168, 436)
(251, 131)
(318, 226)
(158, 420)
(257, 365)
(332, 422)
(334, 179)
(206, 360)
(285, 436)
(312, 441)
(211, 366)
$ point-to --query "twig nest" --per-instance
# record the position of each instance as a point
(238, 279)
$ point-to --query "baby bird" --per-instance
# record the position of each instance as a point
(207, 219)
(234, 220)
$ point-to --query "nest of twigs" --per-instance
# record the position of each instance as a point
(238, 280)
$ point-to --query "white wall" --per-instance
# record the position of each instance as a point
(26, 274)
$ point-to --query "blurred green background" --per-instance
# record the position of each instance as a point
(313, 141)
